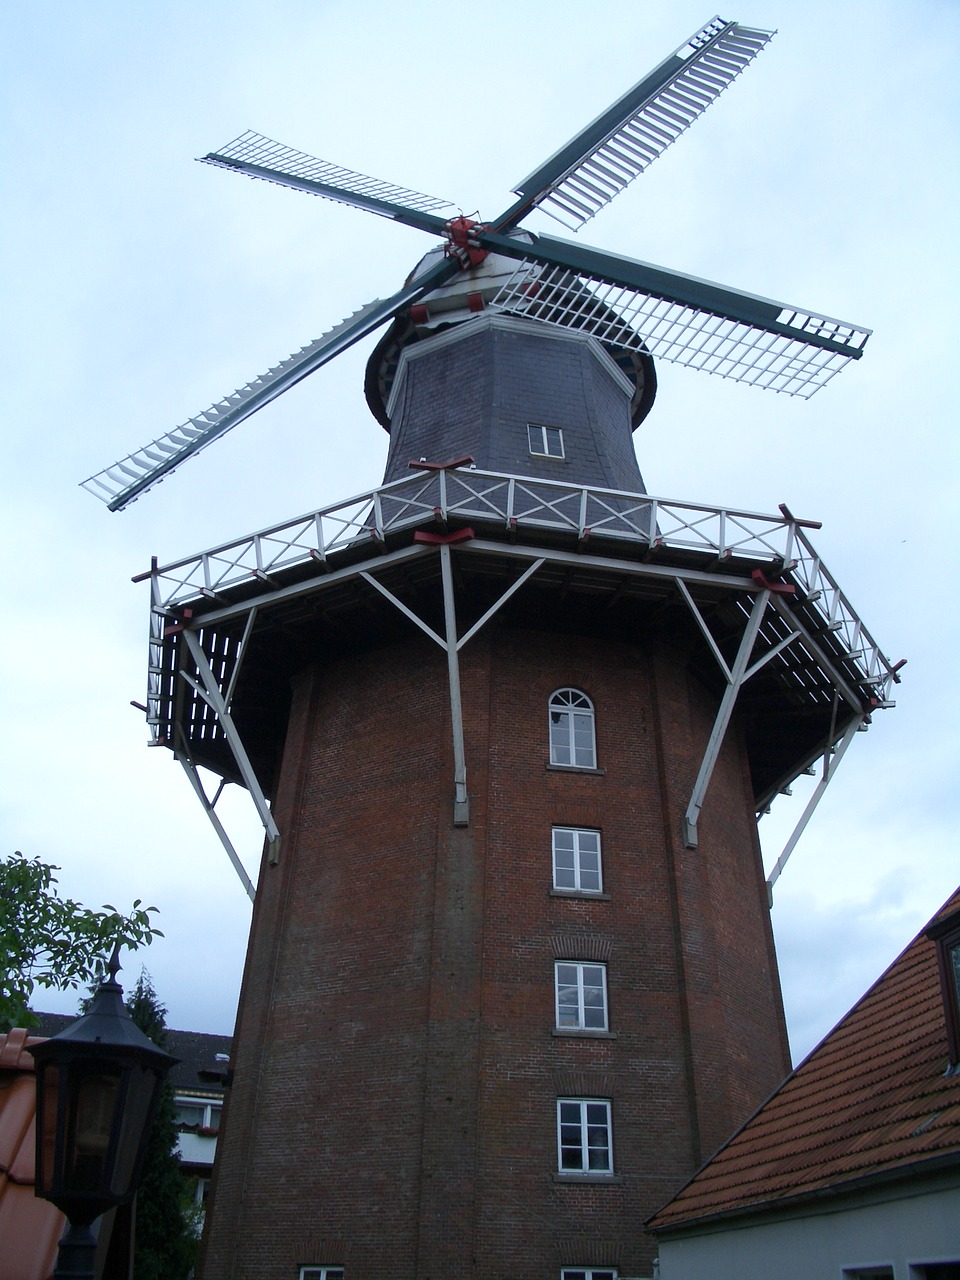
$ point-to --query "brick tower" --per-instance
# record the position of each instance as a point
(507, 720)
(494, 1009)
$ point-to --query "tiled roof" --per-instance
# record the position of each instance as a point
(29, 1227)
(198, 1070)
(872, 1100)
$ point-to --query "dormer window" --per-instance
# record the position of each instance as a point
(945, 934)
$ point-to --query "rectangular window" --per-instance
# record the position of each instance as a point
(588, 1273)
(321, 1273)
(545, 442)
(581, 995)
(194, 1113)
(584, 1138)
(576, 860)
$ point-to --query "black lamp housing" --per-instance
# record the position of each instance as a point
(98, 1086)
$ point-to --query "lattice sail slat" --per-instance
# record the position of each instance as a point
(125, 480)
(709, 62)
(629, 318)
(256, 149)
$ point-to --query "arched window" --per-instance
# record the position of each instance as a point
(572, 738)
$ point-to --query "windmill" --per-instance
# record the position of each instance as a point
(631, 306)
(429, 1079)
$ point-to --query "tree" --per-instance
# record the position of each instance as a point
(52, 942)
(165, 1238)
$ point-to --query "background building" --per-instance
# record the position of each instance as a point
(852, 1168)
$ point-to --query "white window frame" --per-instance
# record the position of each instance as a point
(582, 839)
(593, 1115)
(589, 1273)
(321, 1273)
(579, 979)
(206, 1105)
(540, 437)
(572, 729)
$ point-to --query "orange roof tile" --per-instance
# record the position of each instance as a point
(873, 1098)
(29, 1227)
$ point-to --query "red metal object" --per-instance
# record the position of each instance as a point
(442, 539)
(778, 588)
(461, 245)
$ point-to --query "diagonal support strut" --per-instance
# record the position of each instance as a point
(209, 690)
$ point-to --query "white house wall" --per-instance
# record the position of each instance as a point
(900, 1233)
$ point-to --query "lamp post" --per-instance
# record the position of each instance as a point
(98, 1086)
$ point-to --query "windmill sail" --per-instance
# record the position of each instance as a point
(749, 339)
(619, 145)
(261, 157)
(120, 484)
(621, 301)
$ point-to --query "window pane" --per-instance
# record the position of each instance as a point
(553, 442)
(187, 1113)
(564, 876)
(590, 872)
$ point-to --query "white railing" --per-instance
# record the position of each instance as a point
(515, 503)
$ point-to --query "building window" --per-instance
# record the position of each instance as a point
(576, 860)
(321, 1273)
(584, 1137)
(196, 1114)
(572, 737)
(588, 1273)
(545, 442)
(581, 995)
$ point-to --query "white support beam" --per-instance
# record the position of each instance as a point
(498, 604)
(241, 650)
(451, 645)
(831, 758)
(461, 802)
(209, 690)
(735, 677)
(209, 807)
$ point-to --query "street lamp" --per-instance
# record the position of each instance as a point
(98, 1086)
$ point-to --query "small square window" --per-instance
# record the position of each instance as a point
(581, 991)
(576, 860)
(584, 1137)
(545, 442)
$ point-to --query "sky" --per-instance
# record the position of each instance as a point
(141, 287)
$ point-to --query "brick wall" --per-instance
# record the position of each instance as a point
(397, 1067)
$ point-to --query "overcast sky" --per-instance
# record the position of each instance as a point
(141, 287)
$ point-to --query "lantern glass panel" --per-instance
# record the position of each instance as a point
(141, 1084)
(49, 1075)
(93, 1101)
